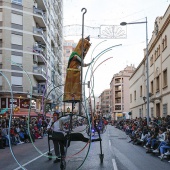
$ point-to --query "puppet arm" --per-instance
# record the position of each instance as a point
(80, 60)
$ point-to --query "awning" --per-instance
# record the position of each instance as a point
(119, 115)
(25, 114)
(4, 111)
(32, 114)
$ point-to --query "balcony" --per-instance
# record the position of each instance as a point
(39, 73)
(117, 81)
(42, 4)
(118, 101)
(118, 88)
(39, 35)
(39, 18)
(39, 50)
(117, 107)
(118, 96)
(39, 89)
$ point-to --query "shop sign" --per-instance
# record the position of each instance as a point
(25, 103)
(13, 101)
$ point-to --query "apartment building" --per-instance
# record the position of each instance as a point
(119, 92)
(159, 70)
(105, 102)
(30, 55)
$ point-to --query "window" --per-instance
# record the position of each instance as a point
(165, 41)
(140, 112)
(117, 107)
(140, 91)
(157, 83)
(0, 16)
(67, 51)
(152, 91)
(134, 95)
(159, 50)
(16, 19)
(131, 98)
(17, 2)
(0, 58)
(165, 78)
(0, 80)
(152, 113)
(17, 81)
(16, 39)
(163, 44)
(151, 61)
(156, 54)
(164, 110)
(16, 59)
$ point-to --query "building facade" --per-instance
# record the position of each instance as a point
(119, 92)
(30, 55)
(159, 69)
(105, 101)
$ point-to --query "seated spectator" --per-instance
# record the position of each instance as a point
(157, 140)
(36, 132)
(4, 135)
(162, 140)
(12, 135)
(153, 136)
(164, 149)
(137, 138)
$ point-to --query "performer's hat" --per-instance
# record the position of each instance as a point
(88, 38)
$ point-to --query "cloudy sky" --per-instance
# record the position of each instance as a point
(113, 12)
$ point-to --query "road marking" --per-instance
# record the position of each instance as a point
(114, 164)
(32, 160)
(109, 143)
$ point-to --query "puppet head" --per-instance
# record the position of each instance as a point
(86, 46)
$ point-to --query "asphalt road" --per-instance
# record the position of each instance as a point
(118, 155)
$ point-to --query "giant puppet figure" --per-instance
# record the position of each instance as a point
(73, 86)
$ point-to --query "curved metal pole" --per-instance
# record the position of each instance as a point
(85, 10)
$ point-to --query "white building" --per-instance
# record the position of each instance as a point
(159, 71)
(30, 53)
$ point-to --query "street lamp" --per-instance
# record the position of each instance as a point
(147, 64)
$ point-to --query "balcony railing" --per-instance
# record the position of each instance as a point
(39, 31)
(40, 12)
(39, 73)
(38, 49)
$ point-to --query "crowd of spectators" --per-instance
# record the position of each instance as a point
(19, 131)
(155, 137)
